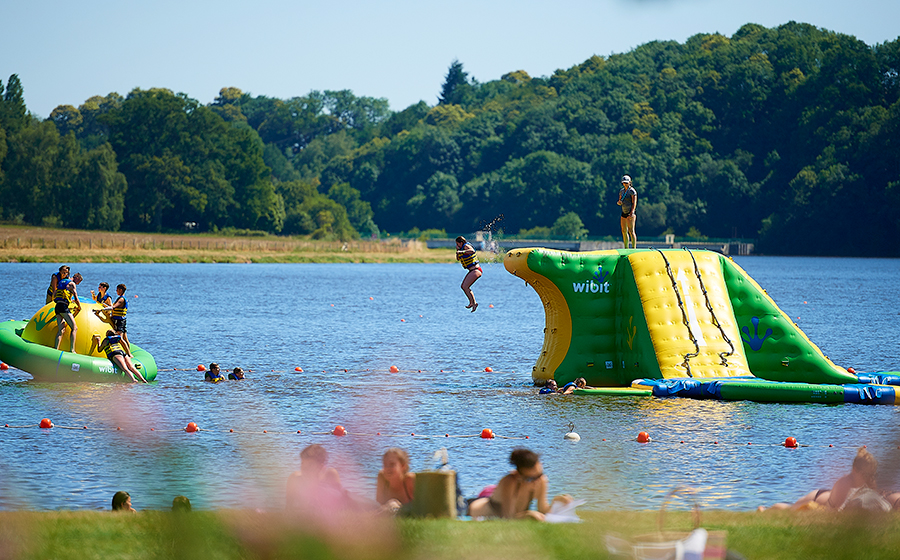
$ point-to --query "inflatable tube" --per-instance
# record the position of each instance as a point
(760, 390)
(28, 346)
(616, 391)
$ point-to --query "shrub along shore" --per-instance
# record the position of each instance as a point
(254, 534)
(29, 244)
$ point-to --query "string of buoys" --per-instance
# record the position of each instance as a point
(339, 431)
(789, 442)
(299, 369)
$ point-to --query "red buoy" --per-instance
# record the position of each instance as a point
(3, 365)
(487, 433)
(191, 427)
(201, 367)
(339, 431)
(849, 369)
(489, 369)
(394, 369)
(46, 423)
(643, 437)
(298, 368)
(790, 442)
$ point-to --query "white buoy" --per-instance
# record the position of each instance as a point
(571, 435)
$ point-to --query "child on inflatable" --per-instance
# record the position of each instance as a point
(112, 346)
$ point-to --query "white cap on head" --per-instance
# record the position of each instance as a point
(626, 179)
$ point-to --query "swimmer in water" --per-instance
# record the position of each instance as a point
(467, 257)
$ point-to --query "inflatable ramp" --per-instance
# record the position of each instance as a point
(616, 316)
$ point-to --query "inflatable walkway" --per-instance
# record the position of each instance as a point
(677, 323)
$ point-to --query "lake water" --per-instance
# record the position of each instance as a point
(346, 324)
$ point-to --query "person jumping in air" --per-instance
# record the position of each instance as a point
(628, 202)
(466, 256)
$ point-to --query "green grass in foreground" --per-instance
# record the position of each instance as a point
(248, 534)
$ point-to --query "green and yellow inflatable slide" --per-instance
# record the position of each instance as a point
(613, 317)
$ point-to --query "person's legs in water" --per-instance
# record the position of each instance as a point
(473, 275)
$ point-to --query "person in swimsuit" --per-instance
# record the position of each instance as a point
(315, 489)
(862, 475)
(54, 281)
(121, 501)
(467, 257)
(112, 346)
(514, 493)
(396, 486)
(628, 202)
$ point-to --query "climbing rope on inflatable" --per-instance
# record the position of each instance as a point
(715, 320)
(687, 357)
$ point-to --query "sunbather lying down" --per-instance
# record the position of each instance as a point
(856, 490)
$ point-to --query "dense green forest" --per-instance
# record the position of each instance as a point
(789, 135)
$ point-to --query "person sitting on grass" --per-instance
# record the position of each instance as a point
(396, 485)
(315, 488)
(121, 501)
(855, 490)
(181, 503)
(512, 497)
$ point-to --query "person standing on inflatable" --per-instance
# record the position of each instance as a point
(628, 202)
(54, 282)
(466, 256)
(65, 294)
(117, 313)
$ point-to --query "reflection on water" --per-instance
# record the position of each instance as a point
(272, 318)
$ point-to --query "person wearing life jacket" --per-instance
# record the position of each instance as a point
(236, 375)
(467, 257)
(112, 346)
(116, 314)
(213, 374)
(54, 281)
(64, 296)
(102, 297)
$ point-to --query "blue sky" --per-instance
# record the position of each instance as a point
(65, 52)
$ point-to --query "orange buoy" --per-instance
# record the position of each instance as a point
(332, 305)
(491, 306)
(370, 297)
(643, 437)
(339, 431)
(231, 431)
(191, 427)
(46, 423)
(3, 365)
(201, 367)
(394, 369)
(849, 369)
(487, 433)
(489, 369)
(402, 320)
(790, 442)
(265, 432)
(298, 368)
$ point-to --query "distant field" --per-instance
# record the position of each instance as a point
(30, 244)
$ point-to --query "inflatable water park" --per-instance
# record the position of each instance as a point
(678, 323)
(30, 347)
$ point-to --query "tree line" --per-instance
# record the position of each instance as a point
(788, 135)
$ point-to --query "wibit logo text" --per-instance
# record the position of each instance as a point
(590, 287)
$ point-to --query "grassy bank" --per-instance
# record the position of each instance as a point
(245, 534)
(30, 244)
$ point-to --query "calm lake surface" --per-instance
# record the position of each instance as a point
(346, 324)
